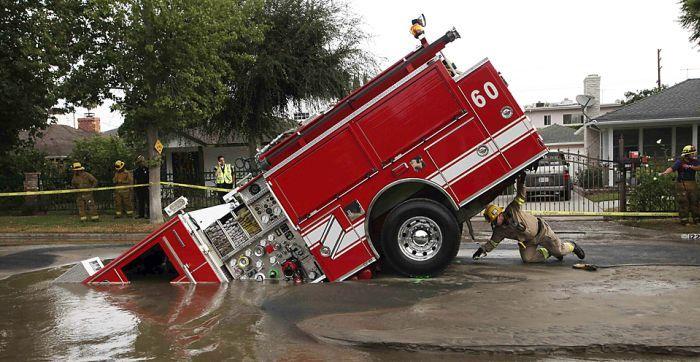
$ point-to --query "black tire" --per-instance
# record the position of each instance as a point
(420, 211)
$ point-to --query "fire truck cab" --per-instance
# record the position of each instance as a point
(390, 173)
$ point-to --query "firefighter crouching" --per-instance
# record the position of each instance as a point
(536, 240)
(686, 186)
(122, 197)
(85, 201)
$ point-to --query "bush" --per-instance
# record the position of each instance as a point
(652, 193)
(98, 154)
(590, 177)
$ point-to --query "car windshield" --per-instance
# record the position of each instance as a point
(552, 160)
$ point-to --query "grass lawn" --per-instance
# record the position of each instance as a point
(66, 223)
(603, 196)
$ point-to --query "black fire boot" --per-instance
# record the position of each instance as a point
(578, 251)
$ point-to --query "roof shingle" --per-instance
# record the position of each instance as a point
(680, 101)
(560, 134)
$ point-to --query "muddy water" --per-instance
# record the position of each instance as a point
(253, 321)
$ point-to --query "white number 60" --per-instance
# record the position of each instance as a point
(490, 91)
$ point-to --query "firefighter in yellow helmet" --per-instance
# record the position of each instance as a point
(122, 197)
(84, 200)
(686, 186)
(536, 240)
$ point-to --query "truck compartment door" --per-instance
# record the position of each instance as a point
(502, 117)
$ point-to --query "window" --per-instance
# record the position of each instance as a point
(578, 118)
(298, 116)
(657, 142)
(684, 137)
(630, 139)
(567, 118)
(547, 119)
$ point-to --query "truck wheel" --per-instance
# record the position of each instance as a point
(420, 237)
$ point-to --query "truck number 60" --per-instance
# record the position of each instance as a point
(490, 91)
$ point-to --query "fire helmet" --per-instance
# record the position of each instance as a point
(119, 165)
(491, 212)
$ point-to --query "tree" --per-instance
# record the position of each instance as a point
(631, 97)
(98, 154)
(36, 50)
(163, 62)
(690, 18)
(311, 52)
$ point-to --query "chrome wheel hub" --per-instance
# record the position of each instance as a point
(419, 238)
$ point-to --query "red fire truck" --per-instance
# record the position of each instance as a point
(390, 173)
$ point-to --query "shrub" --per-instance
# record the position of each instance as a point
(590, 177)
(652, 192)
(98, 154)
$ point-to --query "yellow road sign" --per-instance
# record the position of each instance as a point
(158, 146)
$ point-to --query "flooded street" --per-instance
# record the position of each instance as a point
(496, 308)
(254, 321)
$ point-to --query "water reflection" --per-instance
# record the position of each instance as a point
(241, 321)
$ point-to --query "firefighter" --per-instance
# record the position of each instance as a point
(224, 176)
(85, 201)
(686, 186)
(122, 197)
(141, 177)
(536, 240)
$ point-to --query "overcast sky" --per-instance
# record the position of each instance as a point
(544, 48)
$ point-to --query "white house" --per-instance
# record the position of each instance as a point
(656, 126)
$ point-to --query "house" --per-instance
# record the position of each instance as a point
(657, 126)
(57, 140)
(562, 138)
(565, 113)
(569, 113)
(188, 155)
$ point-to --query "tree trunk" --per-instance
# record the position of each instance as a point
(252, 146)
(155, 209)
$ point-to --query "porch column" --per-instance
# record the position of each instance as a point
(695, 135)
(673, 141)
(641, 140)
(611, 172)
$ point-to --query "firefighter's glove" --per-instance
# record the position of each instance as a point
(479, 253)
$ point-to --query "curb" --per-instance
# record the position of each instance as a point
(73, 236)
(605, 348)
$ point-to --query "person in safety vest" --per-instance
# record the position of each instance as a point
(224, 176)
(536, 240)
(686, 186)
(122, 197)
(84, 200)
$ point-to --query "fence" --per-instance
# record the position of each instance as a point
(105, 199)
(568, 183)
(572, 183)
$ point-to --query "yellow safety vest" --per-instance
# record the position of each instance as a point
(225, 177)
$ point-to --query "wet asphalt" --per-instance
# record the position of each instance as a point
(249, 320)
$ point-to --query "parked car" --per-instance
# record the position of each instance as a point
(551, 178)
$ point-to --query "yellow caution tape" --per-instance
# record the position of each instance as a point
(602, 213)
(195, 186)
(69, 191)
(72, 191)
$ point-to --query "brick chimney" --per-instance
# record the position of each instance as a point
(89, 123)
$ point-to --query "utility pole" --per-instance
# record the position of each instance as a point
(658, 68)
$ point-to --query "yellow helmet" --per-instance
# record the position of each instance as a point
(119, 165)
(689, 150)
(77, 166)
(491, 212)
